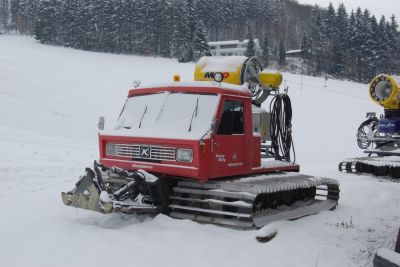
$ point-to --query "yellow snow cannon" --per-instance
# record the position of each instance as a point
(239, 70)
(236, 70)
(384, 90)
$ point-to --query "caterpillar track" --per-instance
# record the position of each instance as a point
(387, 166)
(254, 201)
(247, 202)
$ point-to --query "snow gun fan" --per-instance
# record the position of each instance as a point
(379, 137)
(206, 151)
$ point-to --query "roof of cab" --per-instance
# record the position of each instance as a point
(193, 87)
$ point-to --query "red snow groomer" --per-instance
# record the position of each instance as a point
(206, 151)
(379, 137)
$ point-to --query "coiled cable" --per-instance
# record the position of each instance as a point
(281, 128)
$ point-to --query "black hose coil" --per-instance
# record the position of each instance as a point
(281, 128)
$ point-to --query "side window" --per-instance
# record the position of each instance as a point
(232, 119)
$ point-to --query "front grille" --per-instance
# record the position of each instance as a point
(156, 152)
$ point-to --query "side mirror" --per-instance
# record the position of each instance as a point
(100, 124)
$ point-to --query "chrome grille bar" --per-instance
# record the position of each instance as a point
(157, 152)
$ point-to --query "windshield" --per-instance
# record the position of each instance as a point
(167, 115)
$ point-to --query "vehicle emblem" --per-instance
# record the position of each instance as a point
(145, 152)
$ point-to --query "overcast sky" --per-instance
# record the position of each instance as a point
(377, 7)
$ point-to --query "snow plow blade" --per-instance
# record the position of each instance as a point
(383, 166)
(116, 191)
(86, 196)
(253, 202)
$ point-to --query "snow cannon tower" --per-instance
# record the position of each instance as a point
(380, 137)
(204, 150)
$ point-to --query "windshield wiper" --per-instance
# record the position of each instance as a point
(144, 112)
(194, 114)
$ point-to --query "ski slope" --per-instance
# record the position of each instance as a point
(50, 101)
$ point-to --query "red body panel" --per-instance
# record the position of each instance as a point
(214, 157)
(188, 89)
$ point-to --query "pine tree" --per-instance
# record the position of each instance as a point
(165, 28)
(305, 44)
(266, 51)
(4, 16)
(330, 22)
(23, 13)
(351, 46)
(282, 53)
(45, 27)
(382, 56)
(15, 14)
(67, 25)
(339, 43)
(330, 34)
(251, 46)
(356, 41)
(394, 43)
(181, 39)
(200, 45)
(318, 55)
(373, 58)
(365, 49)
(138, 29)
(275, 52)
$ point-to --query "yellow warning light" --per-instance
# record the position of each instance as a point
(177, 78)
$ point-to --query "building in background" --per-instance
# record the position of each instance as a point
(232, 47)
(294, 53)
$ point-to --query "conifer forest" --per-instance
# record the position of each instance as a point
(349, 44)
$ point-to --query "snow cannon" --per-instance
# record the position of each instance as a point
(379, 137)
(384, 90)
(239, 70)
(236, 70)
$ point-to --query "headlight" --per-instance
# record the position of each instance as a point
(184, 155)
(111, 149)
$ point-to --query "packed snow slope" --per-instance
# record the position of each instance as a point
(50, 100)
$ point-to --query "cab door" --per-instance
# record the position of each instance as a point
(228, 141)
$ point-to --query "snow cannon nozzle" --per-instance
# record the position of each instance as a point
(384, 90)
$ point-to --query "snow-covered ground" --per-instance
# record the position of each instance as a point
(50, 100)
